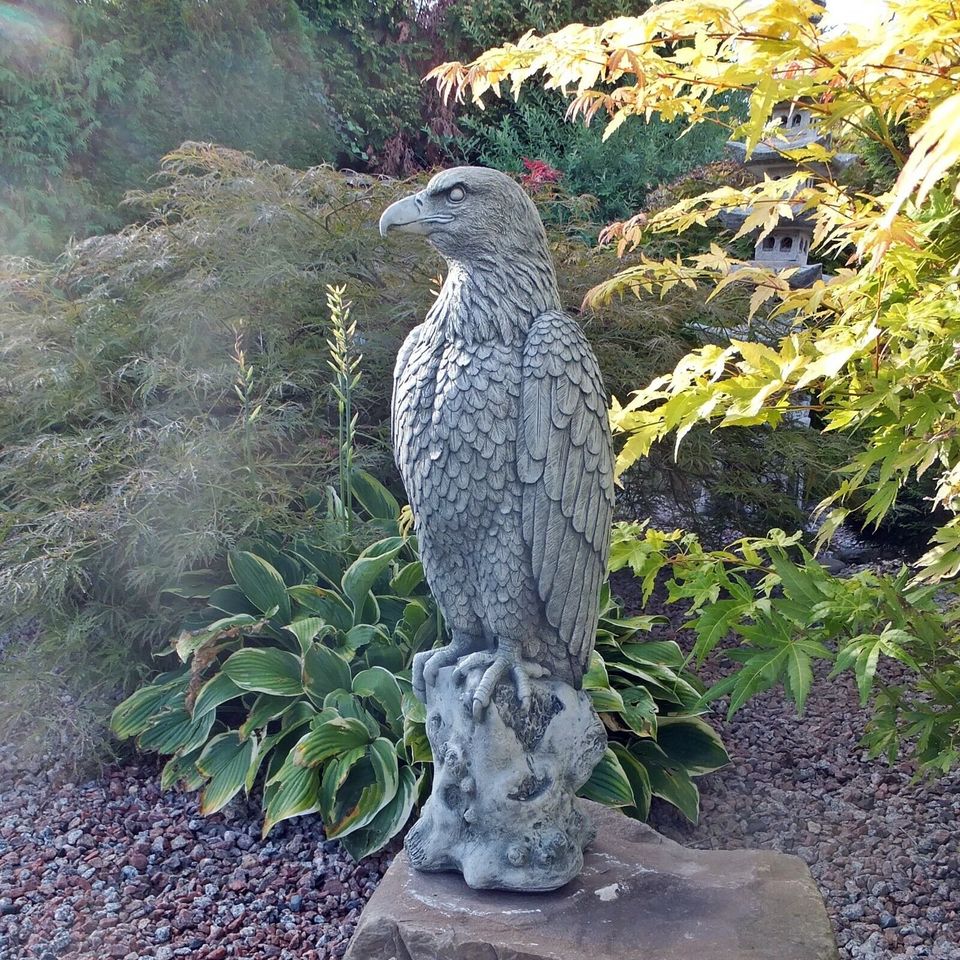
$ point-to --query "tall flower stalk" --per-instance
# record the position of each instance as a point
(345, 364)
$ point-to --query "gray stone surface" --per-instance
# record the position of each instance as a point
(639, 897)
(502, 811)
(502, 439)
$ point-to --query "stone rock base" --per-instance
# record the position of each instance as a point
(639, 897)
(503, 809)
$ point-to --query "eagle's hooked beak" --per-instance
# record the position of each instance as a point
(405, 215)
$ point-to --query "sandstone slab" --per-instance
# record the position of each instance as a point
(638, 897)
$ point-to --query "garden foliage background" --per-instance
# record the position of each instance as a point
(127, 454)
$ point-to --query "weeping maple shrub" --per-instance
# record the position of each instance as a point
(871, 351)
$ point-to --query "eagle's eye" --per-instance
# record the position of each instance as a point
(456, 194)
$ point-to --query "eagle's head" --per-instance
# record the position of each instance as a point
(471, 214)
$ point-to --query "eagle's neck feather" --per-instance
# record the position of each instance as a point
(495, 300)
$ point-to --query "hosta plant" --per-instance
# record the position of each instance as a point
(297, 675)
(298, 669)
(651, 706)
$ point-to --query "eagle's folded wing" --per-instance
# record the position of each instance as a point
(565, 463)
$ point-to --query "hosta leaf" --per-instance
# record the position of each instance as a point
(596, 677)
(363, 634)
(296, 791)
(361, 575)
(277, 747)
(608, 784)
(265, 708)
(324, 671)
(265, 670)
(181, 770)
(190, 641)
(692, 743)
(606, 701)
(668, 779)
(308, 629)
(324, 562)
(407, 579)
(225, 760)
(175, 731)
(655, 652)
(217, 690)
(383, 757)
(640, 711)
(381, 685)
(413, 707)
(141, 708)
(386, 655)
(355, 789)
(347, 705)
(639, 779)
(329, 738)
(387, 823)
(323, 603)
(260, 582)
(232, 600)
(374, 497)
(416, 742)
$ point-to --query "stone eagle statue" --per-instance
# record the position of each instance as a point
(501, 436)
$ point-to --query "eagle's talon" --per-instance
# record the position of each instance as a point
(506, 660)
(428, 663)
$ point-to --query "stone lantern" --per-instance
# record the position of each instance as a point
(787, 246)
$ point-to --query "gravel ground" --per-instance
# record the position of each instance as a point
(117, 868)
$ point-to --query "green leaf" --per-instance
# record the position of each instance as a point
(327, 563)
(141, 708)
(407, 579)
(347, 705)
(692, 743)
(175, 731)
(609, 784)
(265, 708)
(639, 779)
(329, 738)
(606, 701)
(381, 685)
(640, 711)
(655, 652)
(181, 770)
(324, 671)
(361, 575)
(296, 791)
(668, 779)
(307, 630)
(373, 496)
(225, 760)
(798, 582)
(387, 823)
(363, 634)
(356, 788)
(713, 625)
(218, 689)
(260, 582)
(596, 677)
(190, 641)
(328, 605)
(265, 670)
(799, 678)
(232, 600)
